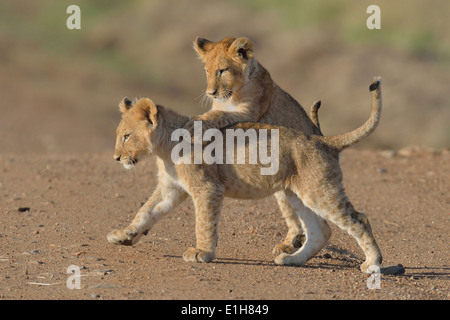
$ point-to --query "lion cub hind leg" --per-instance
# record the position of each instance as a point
(208, 204)
(295, 238)
(317, 232)
(338, 209)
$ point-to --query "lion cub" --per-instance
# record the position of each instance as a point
(308, 173)
(242, 90)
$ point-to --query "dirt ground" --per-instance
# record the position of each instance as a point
(61, 192)
(57, 209)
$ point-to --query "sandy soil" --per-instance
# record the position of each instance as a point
(56, 210)
(61, 192)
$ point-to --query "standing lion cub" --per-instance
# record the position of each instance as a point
(242, 90)
(308, 173)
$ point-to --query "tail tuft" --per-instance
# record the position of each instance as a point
(374, 86)
(316, 105)
(314, 113)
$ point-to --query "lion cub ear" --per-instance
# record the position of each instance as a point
(242, 49)
(201, 46)
(150, 110)
(125, 105)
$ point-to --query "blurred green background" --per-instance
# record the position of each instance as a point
(60, 88)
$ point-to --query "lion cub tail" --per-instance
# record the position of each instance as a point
(314, 115)
(348, 139)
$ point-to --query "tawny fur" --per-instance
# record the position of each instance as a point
(309, 175)
(242, 90)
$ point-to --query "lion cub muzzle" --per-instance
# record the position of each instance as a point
(127, 162)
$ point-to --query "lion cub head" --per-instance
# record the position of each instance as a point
(226, 65)
(134, 132)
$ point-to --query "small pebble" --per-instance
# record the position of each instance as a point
(30, 252)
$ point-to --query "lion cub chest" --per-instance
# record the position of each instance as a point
(227, 106)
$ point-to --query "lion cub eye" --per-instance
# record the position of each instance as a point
(221, 71)
(125, 137)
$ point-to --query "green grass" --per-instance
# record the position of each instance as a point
(415, 26)
(419, 27)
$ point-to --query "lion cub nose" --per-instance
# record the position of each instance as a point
(212, 92)
(117, 158)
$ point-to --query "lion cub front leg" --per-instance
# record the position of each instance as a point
(221, 119)
(164, 199)
(207, 211)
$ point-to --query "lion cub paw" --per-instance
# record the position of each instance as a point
(297, 243)
(197, 255)
(371, 266)
(283, 248)
(290, 260)
(122, 237)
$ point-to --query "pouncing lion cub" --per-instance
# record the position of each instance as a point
(308, 173)
(242, 90)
